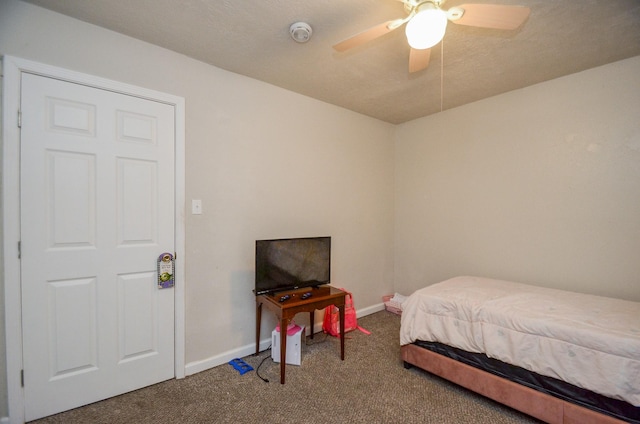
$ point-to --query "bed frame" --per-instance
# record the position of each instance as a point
(524, 399)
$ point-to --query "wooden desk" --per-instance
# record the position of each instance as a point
(322, 297)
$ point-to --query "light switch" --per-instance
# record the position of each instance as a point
(196, 207)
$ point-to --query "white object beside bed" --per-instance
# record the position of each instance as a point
(589, 341)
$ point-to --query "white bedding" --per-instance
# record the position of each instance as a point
(589, 341)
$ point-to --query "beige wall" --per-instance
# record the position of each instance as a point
(266, 163)
(540, 185)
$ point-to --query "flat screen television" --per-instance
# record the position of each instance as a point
(289, 264)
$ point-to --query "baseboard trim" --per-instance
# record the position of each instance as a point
(214, 361)
(370, 310)
(199, 366)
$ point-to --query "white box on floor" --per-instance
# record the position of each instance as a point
(294, 346)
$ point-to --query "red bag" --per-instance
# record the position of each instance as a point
(331, 323)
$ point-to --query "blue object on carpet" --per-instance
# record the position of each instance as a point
(240, 365)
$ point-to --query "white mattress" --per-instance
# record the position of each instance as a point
(589, 341)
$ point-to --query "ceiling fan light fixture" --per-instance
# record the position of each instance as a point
(426, 28)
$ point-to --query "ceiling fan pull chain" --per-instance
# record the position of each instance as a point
(441, 73)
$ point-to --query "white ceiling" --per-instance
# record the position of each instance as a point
(251, 37)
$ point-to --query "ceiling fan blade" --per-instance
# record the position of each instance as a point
(367, 35)
(419, 59)
(496, 16)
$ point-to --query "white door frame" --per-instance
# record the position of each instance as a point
(13, 68)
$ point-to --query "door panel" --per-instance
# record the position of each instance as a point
(137, 316)
(72, 328)
(97, 196)
(137, 192)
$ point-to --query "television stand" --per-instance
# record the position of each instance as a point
(285, 310)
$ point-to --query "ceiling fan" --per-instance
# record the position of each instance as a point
(427, 22)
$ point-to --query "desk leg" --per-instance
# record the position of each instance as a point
(341, 311)
(284, 323)
(311, 317)
(258, 320)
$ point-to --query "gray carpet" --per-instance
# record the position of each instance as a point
(369, 386)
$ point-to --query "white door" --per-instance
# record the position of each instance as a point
(97, 210)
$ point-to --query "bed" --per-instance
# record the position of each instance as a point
(558, 356)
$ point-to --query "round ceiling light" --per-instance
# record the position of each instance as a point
(300, 32)
(427, 27)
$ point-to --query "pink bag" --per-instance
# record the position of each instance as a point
(331, 323)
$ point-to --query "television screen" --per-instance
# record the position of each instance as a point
(288, 264)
